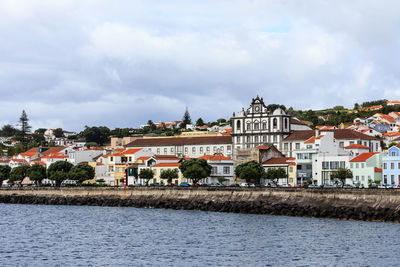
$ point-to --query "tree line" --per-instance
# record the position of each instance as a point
(57, 172)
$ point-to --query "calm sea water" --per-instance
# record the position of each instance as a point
(36, 235)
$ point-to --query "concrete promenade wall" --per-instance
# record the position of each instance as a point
(354, 204)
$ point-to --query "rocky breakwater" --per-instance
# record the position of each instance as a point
(350, 204)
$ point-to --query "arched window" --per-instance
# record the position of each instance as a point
(264, 126)
(238, 125)
(256, 126)
(275, 123)
(248, 127)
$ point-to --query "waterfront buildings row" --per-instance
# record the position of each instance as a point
(271, 137)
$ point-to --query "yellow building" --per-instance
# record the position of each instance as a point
(160, 167)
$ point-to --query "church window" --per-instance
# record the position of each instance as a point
(264, 126)
(275, 138)
(256, 139)
(256, 126)
(238, 125)
(286, 123)
(248, 126)
(275, 123)
(248, 139)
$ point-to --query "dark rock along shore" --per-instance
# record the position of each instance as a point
(367, 205)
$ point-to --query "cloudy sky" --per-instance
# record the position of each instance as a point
(120, 63)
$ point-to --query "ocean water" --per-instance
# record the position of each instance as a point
(39, 235)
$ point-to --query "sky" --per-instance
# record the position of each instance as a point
(120, 63)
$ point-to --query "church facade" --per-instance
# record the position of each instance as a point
(258, 126)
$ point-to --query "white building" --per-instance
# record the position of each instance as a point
(192, 147)
(257, 125)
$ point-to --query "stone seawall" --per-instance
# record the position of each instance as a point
(353, 204)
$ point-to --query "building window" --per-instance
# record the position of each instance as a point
(393, 154)
(351, 142)
(208, 149)
(237, 139)
(297, 146)
(111, 158)
(275, 138)
(342, 164)
(256, 139)
(186, 150)
(285, 146)
(398, 165)
(341, 144)
(201, 150)
(226, 170)
(256, 126)
(215, 149)
(357, 178)
(351, 165)
(130, 158)
(248, 127)
(392, 179)
(290, 169)
(264, 126)
(158, 150)
(248, 139)
(392, 165)
(362, 165)
(238, 125)
(385, 166)
(165, 150)
(325, 165)
(286, 123)
(214, 170)
(229, 148)
(385, 179)
(275, 123)
(334, 165)
(193, 150)
(222, 149)
(264, 138)
(309, 167)
(357, 165)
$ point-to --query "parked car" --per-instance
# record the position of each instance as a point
(373, 186)
(348, 186)
(284, 185)
(313, 186)
(247, 185)
(329, 186)
(184, 184)
(234, 185)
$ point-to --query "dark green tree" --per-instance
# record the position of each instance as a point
(58, 167)
(99, 135)
(40, 131)
(151, 125)
(17, 174)
(58, 133)
(4, 173)
(186, 119)
(146, 174)
(58, 177)
(37, 173)
(272, 107)
(169, 175)
(23, 133)
(7, 131)
(392, 144)
(250, 171)
(82, 172)
(221, 121)
(195, 169)
(342, 174)
(199, 122)
(274, 174)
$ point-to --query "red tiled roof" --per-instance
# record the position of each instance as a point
(364, 156)
(143, 158)
(167, 164)
(338, 134)
(131, 151)
(310, 140)
(356, 146)
(264, 147)
(277, 161)
(166, 157)
(214, 157)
